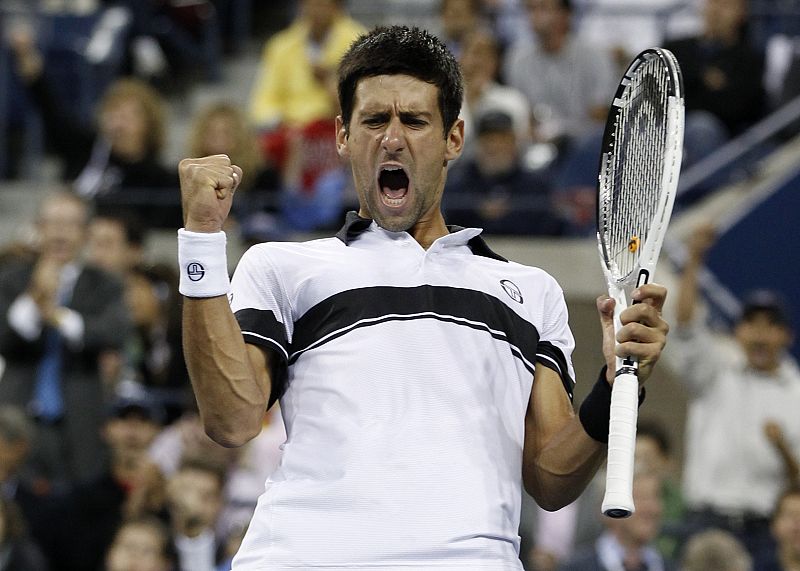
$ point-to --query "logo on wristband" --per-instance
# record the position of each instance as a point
(195, 271)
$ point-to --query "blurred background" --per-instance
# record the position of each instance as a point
(101, 99)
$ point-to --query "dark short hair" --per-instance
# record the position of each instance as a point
(768, 303)
(129, 221)
(399, 50)
(494, 121)
(565, 5)
(198, 463)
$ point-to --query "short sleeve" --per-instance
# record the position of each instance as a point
(556, 342)
(262, 308)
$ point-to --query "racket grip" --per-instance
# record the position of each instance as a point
(618, 500)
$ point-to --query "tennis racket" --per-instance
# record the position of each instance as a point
(637, 182)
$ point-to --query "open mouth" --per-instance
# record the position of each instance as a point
(393, 182)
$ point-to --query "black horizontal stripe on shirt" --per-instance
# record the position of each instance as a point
(362, 307)
(552, 357)
(261, 327)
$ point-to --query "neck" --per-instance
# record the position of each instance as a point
(554, 42)
(126, 466)
(426, 232)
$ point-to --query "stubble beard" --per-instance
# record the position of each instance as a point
(401, 223)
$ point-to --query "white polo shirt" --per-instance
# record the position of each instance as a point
(406, 377)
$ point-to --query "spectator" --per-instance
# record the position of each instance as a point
(313, 202)
(17, 484)
(17, 551)
(118, 161)
(152, 357)
(722, 78)
(223, 129)
(296, 85)
(555, 536)
(58, 315)
(172, 42)
(245, 481)
(568, 82)
(247, 467)
(115, 243)
(154, 354)
(495, 191)
(735, 395)
(458, 19)
(129, 487)
(294, 100)
(140, 544)
(480, 63)
(627, 543)
(624, 33)
(506, 18)
(716, 550)
(17, 433)
(654, 455)
(785, 529)
(194, 495)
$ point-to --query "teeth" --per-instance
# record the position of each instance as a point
(393, 201)
(392, 168)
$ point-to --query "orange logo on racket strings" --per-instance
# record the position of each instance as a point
(633, 244)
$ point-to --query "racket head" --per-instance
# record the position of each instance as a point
(639, 166)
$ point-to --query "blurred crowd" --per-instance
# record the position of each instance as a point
(103, 461)
(86, 82)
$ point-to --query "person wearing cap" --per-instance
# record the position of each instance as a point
(743, 426)
(84, 522)
(494, 190)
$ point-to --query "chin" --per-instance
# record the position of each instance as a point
(395, 223)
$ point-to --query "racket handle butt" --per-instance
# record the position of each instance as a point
(617, 510)
(618, 499)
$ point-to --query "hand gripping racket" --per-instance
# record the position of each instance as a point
(638, 178)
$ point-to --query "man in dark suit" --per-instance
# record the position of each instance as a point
(56, 315)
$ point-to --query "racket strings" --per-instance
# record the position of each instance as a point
(631, 193)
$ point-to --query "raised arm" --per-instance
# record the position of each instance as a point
(231, 380)
(697, 246)
(563, 450)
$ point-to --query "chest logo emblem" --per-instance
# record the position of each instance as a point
(512, 290)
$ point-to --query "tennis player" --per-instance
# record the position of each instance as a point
(421, 376)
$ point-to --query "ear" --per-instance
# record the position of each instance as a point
(341, 138)
(455, 141)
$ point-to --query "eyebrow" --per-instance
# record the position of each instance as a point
(411, 114)
(405, 116)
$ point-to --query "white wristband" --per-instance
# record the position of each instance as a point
(203, 263)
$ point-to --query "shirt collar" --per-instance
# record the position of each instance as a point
(355, 225)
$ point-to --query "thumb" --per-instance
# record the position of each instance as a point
(237, 177)
(605, 310)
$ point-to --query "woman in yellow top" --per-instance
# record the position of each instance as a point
(297, 80)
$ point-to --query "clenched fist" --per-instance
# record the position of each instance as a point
(207, 188)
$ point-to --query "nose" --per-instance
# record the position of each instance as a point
(393, 137)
